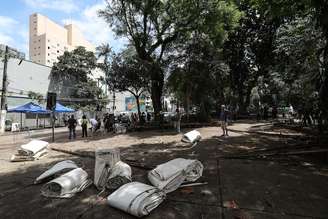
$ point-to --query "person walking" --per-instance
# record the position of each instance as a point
(84, 125)
(224, 120)
(71, 126)
(177, 121)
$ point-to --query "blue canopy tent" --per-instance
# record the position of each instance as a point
(27, 108)
(63, 109)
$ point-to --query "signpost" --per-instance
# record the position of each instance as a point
(51, 105)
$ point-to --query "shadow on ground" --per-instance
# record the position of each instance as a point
(260, 188)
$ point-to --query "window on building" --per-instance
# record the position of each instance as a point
(57, 44)
(39, 47)
(48, 47)
(57, 51)
(48, 54)
(39, 40)
(48, 40)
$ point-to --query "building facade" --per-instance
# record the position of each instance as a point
(48, 40)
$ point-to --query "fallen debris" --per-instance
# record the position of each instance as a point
(193, 184)
(92, 156)
(191, 137)
(30, 151)
(120, 174)
(136, 198)
(67, 185)
(58, 168)
(170, 175)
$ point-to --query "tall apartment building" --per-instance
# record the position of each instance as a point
(49, 40)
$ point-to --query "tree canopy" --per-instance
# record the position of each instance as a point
(70, 78)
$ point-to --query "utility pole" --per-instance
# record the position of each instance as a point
(4, 93)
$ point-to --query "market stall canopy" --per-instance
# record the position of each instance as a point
(28, 108)
(63, 109)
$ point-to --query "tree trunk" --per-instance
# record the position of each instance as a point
(157, 84)
(138, 106)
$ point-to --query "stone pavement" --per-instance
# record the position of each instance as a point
(258, 188)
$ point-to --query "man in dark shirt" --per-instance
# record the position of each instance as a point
(71, 126)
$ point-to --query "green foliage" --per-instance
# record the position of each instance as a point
(128, 73)
(155, 27)
(200, 80)
(36, 96)
(70, 77)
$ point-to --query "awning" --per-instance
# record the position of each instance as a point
(28, 108)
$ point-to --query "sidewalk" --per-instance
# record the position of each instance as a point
(258, 188)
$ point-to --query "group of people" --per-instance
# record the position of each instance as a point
(95, 124)
(109, 121)
(84, 122)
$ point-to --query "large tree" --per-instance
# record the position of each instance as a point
(70, 78)
(288, 10)
(128, 73)
(153, 26)
(249, 52)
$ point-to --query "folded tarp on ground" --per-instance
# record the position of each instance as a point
(58, 168)
(191, 137)
(67, 185)
(105, 160)
(136, 198)
(30, 151)
(120, 174)
(170, 175)
(32, 148)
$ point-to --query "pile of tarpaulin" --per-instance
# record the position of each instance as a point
(30, 151)
(65, 179)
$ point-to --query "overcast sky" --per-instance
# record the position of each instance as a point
(14, 20)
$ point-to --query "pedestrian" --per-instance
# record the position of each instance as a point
(71, 126)
(94, 124)
(84, 125)
(177, 120)
(148, 117)
(224, 120)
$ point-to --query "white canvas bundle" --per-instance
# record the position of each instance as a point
(105, 160)
(120, 174)
(33, 147)
(170, 175)
(191, 137)
(136, 198)
(57, 168)
(67, 185)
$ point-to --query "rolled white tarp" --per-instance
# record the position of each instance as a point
(120, 174)
(136, 198)
(191, 137)
(56, 169)
(170, 175)
(67, 185)
(32, 148)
